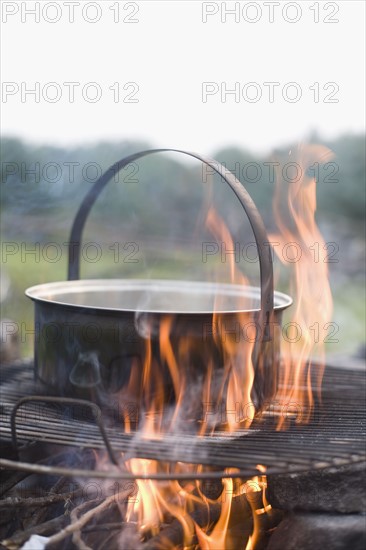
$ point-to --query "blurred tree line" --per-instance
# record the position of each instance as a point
(166, 193)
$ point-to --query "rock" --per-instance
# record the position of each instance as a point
(339, 490)
(320, 532)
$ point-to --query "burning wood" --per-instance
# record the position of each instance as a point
(77, 523)
(205, 517)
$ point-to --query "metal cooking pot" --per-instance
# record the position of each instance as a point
(92, 334)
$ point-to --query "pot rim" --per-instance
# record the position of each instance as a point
(47, 292)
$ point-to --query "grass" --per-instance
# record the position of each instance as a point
(24, 271)
(349, 315)
(349, 299)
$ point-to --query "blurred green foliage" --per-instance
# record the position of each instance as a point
(340, 182)
(161, 202)
(48, 179)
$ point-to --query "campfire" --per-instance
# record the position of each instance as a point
(215, 402)
(310, 288)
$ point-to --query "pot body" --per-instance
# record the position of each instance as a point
(85, 350)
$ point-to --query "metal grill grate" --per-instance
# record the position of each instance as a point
(336, 436)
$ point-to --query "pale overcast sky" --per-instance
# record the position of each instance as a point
(164, 70)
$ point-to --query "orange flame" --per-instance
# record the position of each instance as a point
(172, 385)
(294, 207)
(216, 539)
(234, 389)
(237, 359)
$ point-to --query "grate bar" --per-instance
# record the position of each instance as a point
(336, 436)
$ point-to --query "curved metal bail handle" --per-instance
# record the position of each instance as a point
(256, 222)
